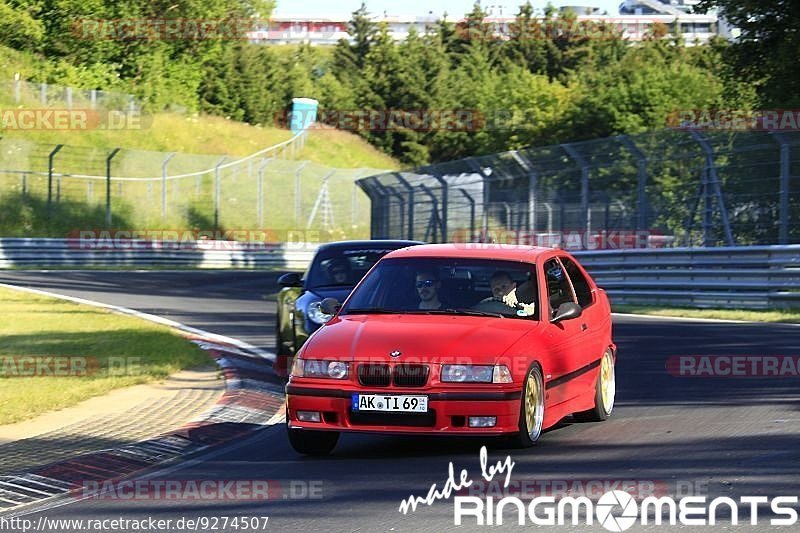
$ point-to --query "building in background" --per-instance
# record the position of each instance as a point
(635, 20)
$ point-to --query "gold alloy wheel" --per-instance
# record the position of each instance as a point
(534, 406)
(608, 383)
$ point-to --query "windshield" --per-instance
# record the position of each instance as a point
(448, 286)
(340, 267)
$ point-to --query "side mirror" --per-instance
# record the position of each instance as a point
(330, 306)
(567, 311)
(292, 279)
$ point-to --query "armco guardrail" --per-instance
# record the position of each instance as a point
(758, 277)
(74, 253)
(743, 277)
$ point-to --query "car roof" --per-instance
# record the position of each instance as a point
(366, 244)
(476, 251)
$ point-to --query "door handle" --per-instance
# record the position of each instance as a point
(584, 327)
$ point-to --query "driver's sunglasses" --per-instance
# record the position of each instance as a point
(425, 283)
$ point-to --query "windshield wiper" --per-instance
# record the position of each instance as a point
(371, 311)
(470, 312)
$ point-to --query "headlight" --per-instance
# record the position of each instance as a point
(315, 314)
(311, 368)
(475, 374)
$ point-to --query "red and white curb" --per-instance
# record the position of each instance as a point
(253, 400)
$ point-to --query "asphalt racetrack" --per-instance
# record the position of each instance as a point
(669, 434)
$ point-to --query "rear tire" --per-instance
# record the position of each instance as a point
(531, 409)
(283, 356)
(280, 349)
(605, 392)
(308, 442)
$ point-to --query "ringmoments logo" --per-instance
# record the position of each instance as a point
(619, 511)
(616, 510)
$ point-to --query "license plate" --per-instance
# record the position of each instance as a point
(390, 404)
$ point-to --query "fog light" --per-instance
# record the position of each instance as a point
(308, 416)
(482, 421)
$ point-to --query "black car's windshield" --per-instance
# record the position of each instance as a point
(343, 267)
(473, 287)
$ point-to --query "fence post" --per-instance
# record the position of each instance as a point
(786, 161)
(297, 199)
(411, 203)
(108, 185)
(50, 159)
(43, 94)
(17, 90)
(641, 165)
(24, 184)
(712, 180)
(216, 192)
(260, 195)
(93, 98)
(586, 216)
(164, 186)
(69, 97)
(443, 221)
(533, 182)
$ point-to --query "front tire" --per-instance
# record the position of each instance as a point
(309, 442)
(531, 409)
(605, 392)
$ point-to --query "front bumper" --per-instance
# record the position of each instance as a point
(448, 411)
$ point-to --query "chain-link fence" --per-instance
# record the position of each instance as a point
(670, 188)
(48, 190)
(47, 95)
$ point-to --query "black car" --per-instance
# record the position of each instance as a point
(333, 273)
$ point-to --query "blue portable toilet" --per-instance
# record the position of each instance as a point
(304, 114)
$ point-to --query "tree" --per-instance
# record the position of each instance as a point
(767, 51)
(641, 93)
(362, 30)
(527, 45)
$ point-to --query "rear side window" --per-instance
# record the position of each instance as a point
(558, 289)
(583, 290)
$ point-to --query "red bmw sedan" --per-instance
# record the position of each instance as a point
(457, 339)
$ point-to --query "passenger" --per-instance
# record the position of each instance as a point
(522, 297)
(504, 287)
(339, 272)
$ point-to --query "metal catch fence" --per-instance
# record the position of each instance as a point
(666, 189)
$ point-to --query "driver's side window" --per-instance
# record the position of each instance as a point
(559, 290)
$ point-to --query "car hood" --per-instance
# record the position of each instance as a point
(419, 338)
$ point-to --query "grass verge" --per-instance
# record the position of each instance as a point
(790, 316)
(92, 352)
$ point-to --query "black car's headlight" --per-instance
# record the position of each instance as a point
(313, 368)
(315, 314)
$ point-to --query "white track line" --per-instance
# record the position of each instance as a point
(711, 320)
(151, 318)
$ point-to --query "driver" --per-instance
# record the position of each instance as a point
(428, 286)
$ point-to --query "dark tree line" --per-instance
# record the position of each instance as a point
(553, 79)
